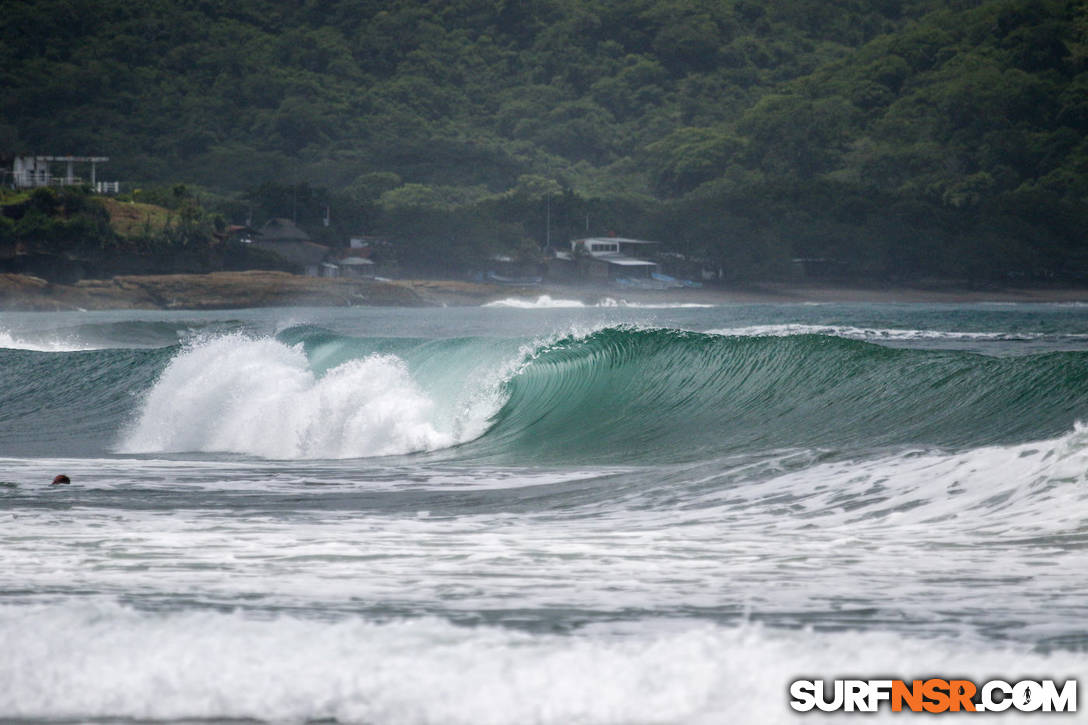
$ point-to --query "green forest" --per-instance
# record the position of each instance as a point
(902, 140)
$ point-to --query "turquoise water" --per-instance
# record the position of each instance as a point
(510, 514)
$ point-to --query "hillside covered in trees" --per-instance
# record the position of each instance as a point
(901, 139)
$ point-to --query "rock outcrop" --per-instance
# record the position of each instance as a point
(218, 290)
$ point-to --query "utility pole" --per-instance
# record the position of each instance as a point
(548, 221)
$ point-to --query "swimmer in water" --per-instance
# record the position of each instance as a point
(60, 479)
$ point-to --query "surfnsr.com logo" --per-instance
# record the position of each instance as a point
(933, 695)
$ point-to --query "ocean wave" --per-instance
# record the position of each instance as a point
(652, 395)
(878, 333)
(614, 395)
(662, 305)
(595, 543)
(260, 397)
(1025, 489)
(101, 660)
(543, 302)
(38, 343)
(546, 302)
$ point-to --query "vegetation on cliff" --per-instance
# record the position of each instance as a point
(69, 233)
(902, 138)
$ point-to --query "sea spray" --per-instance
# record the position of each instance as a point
(260, 397)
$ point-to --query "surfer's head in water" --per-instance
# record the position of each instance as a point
(60, 479)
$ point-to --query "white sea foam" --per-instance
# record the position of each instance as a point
(947, 549)
(908, 538)
(546, 302)
(657, 305)
(87, 659)
(260, 397)
(1028, 489)
(15, 341)
(872, 333)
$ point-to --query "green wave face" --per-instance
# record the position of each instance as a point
(71, 403)
(664, 395)
(617, 395)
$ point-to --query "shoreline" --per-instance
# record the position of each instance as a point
(250, 289)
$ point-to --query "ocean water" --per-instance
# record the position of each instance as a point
(535, 512)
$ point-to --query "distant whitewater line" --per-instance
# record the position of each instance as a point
(878, 333)
(546, 302)
(57, 344)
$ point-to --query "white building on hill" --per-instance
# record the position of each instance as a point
(28, 172)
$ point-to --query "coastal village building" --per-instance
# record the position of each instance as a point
(239, 233)
(614, 258)
(284, 238)
(365, 256)
(29, 172)
(514, 270)
(355, 266)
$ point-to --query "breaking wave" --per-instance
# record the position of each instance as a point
(543, 302)
(546, 302)
(615, 394)
(880, 334)
(57, 343)
(624, 394)
(260, 397)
